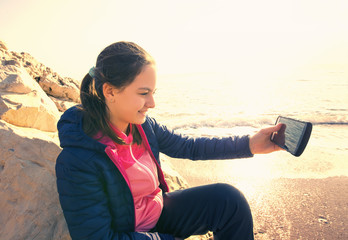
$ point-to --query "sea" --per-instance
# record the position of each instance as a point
(216, 104)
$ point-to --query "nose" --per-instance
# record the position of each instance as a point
(151, 101)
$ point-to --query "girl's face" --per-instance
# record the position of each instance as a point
(130, 104)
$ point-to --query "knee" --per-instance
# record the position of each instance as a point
(228, 191)
(236, 218)
(231, 196)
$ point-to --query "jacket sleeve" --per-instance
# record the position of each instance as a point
(84, 203)
(178, 146)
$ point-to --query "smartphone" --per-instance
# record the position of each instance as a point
(293, 135)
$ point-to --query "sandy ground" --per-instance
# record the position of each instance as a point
(300, 209)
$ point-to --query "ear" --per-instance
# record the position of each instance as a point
(109, 92)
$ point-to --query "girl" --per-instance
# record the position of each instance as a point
(109, 177)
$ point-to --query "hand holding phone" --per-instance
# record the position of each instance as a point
(293, 135)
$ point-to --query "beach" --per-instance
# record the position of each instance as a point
(224, 68)
(290, 197)
(301, 209)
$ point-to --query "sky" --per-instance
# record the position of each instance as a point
(184, 36)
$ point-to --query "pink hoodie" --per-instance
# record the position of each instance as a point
(139, 168)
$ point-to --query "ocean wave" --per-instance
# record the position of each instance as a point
(330, 123)
(258, 122)
(197, 123)
(329, 119)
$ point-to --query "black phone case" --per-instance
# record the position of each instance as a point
(305, 137)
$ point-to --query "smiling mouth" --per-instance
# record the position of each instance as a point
(142, 112)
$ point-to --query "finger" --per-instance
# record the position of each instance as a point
(278, 148)
(278, 126)
(273, 128)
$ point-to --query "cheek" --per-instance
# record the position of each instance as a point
(138, 103)
(132, 105)
(129, 105)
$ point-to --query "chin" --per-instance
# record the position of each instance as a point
(140, 120)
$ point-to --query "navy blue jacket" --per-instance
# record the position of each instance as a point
(95, 198)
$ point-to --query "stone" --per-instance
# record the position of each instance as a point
(14, 62)
(63, 105)
(23, 103)
(13, 79)
(59, 87)
(52, 83)
(174, 180)
(29, 199)
(3, 46)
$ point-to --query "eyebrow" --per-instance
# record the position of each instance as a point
(147, 89)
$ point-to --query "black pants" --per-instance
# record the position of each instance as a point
(219, 208)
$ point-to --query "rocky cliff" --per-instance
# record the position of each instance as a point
(32, 98)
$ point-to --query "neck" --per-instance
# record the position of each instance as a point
(124, 129)
(121, 127)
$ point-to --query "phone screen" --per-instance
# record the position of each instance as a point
(292, 136)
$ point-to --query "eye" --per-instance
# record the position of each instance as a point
(147, 92)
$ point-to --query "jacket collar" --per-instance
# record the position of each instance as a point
(71, 134)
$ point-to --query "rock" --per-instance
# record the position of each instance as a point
(3, 46)
(11, 62)
(58, 87)
(29, 199)
(22, 101)
(173, 178)
(52, 83)
(62, 105)
(15, 80)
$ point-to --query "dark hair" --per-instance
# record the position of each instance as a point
(118, 65)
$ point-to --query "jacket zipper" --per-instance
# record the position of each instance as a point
(149, 172)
